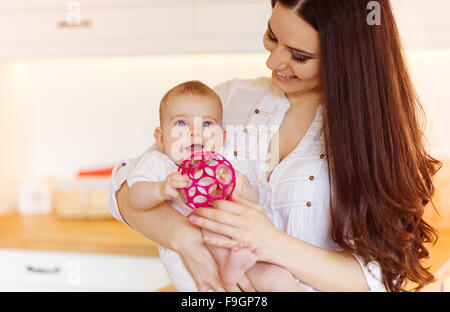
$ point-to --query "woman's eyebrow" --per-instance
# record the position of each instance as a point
(291, 48)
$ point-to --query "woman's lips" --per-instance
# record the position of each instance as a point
(284, 78)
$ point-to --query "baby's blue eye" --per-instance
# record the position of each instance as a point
(207, 124)
(180, 123)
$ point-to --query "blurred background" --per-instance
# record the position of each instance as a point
(80, 85)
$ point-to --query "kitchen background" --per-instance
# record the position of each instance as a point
(80, 85)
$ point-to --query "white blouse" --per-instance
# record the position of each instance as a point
(297, 195)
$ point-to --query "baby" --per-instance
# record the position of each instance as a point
(190, 120)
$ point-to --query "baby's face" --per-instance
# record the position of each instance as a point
(190, 123)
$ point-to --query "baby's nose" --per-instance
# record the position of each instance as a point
(196, 131)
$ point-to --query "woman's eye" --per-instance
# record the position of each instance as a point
(295, 55)
(180, 123)
(299, 57)
(207, 124)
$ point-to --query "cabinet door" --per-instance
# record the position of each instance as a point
(100, 28)
(233, 25)
(127, 27)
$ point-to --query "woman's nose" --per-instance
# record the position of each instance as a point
(277, 59)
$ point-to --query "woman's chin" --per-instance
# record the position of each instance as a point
(296, 86)
(286, 89)
(285, 85)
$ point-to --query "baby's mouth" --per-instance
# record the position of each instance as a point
(194, 148)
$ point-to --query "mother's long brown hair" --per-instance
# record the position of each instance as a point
(380, 172)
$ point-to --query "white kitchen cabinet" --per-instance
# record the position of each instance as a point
(139, 27)
(130, 27)
(31, 270)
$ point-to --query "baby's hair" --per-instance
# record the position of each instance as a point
(194, 87)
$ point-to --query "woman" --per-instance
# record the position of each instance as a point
(344, 204)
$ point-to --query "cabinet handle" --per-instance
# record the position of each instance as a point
(83, 23)
(43, 270)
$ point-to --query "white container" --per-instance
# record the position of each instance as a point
(81, 198)
(35, 197)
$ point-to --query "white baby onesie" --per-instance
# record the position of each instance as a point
(155, 166)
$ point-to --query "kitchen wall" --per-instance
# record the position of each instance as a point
(15, 120)
(430, 70)
(60, 115)
(105, 109)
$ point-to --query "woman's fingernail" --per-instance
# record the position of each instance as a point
(193, 218)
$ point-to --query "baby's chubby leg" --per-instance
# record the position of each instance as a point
(220, 254)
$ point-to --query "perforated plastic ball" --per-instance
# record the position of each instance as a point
(211, 176)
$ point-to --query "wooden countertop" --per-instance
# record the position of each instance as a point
(48, 232)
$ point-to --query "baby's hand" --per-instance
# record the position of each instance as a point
(173, 182)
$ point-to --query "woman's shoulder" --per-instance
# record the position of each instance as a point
(260, 84)
(240, 96)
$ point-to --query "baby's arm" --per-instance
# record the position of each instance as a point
(146, 195)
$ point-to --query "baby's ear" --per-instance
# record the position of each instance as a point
(158, 135)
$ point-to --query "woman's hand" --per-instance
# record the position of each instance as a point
(242, 221)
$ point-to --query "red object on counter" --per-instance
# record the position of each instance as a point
(103, 172)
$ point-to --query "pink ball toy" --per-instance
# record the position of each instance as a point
(212, 177)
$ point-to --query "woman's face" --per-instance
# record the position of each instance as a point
(294, 47)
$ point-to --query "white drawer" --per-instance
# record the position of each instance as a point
(27, 270)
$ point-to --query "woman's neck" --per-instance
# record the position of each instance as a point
(309, 99)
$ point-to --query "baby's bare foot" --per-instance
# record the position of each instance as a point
(241, 257)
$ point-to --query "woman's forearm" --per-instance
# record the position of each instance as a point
(322, 269)
(155, 223)
(170, 229)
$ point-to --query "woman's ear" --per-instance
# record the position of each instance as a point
(158, 135)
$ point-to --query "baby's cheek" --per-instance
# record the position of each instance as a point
(213, 138)
(175, 151)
